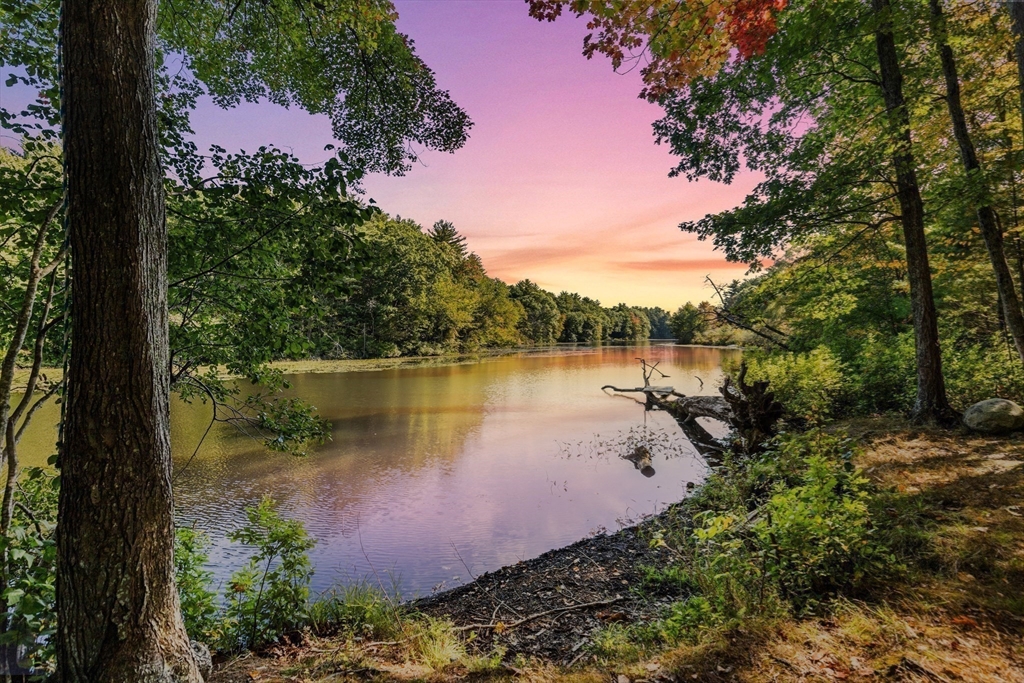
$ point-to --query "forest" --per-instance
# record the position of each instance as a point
(858, 518)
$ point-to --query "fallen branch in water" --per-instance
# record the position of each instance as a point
(645, 390)
(538, 615)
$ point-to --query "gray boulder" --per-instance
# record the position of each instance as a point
(994, 416)
(203, 658)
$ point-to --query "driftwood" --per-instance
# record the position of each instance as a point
(715, 407)
(749, 409)
(685, 409)
(641, 459)
(755, 412)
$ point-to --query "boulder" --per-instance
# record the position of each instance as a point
(994, 416)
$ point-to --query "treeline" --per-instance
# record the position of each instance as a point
(423, 292)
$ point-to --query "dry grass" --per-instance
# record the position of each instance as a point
(957, 498)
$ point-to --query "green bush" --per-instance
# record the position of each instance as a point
(882, 374)
(974, 372)
(31, 550)
(687, 620)
(809, 385)
(269, 596)
(777, 532)
(198, 602)
(818, 535)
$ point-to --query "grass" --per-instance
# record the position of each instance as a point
(951, 509)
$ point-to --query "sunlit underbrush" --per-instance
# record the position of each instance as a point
(769, 536)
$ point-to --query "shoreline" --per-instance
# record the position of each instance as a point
(345, 365)
(567, 616)
(565, 595)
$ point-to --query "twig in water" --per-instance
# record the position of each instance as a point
(391, 603)
(468, 570)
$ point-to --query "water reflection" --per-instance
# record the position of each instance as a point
(440, 473)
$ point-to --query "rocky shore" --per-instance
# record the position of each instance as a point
(550, 606)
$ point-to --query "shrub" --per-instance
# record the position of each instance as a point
(777, 532)
(974, 372)
(818, 534)
(883, 375)
(687, 620)
(269, 596)
(198, 602)
(31, 550)
(809, 385)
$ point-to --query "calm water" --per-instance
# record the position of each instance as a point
(437, 474)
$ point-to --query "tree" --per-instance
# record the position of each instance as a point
(931, 404)
(443, 232)
(584, 319)
(629, 324)
(117, 606)
(988, 221)
(659, 319)
(118, 612)
(1016, 11)
(679, 39)
(686, 323)
(542, 322)
(339, 58)
(791, 110)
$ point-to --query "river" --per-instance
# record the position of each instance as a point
(434, 475)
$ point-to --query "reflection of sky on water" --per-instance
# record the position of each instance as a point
(434, 473)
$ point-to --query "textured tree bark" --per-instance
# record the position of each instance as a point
(987, 221)
(931, 405)
(118, 612)
(1016, 10)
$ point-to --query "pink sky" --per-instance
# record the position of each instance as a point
(560, 182)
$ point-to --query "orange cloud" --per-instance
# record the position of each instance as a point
(681, 265)
(521, 259)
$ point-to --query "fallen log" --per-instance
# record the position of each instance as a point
(750, 410)
(715, 407)
(686, 409)
(681, 405)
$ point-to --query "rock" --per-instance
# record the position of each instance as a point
(203, 658)
(994, 416)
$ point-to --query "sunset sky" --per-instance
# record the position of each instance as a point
(560, 182)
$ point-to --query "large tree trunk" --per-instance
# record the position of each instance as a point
(987, 221)
(931, 405)
(118, 613)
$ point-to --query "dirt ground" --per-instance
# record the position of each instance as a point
(960, 617)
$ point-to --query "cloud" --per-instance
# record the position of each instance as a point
(680, 265)
(527, 257)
